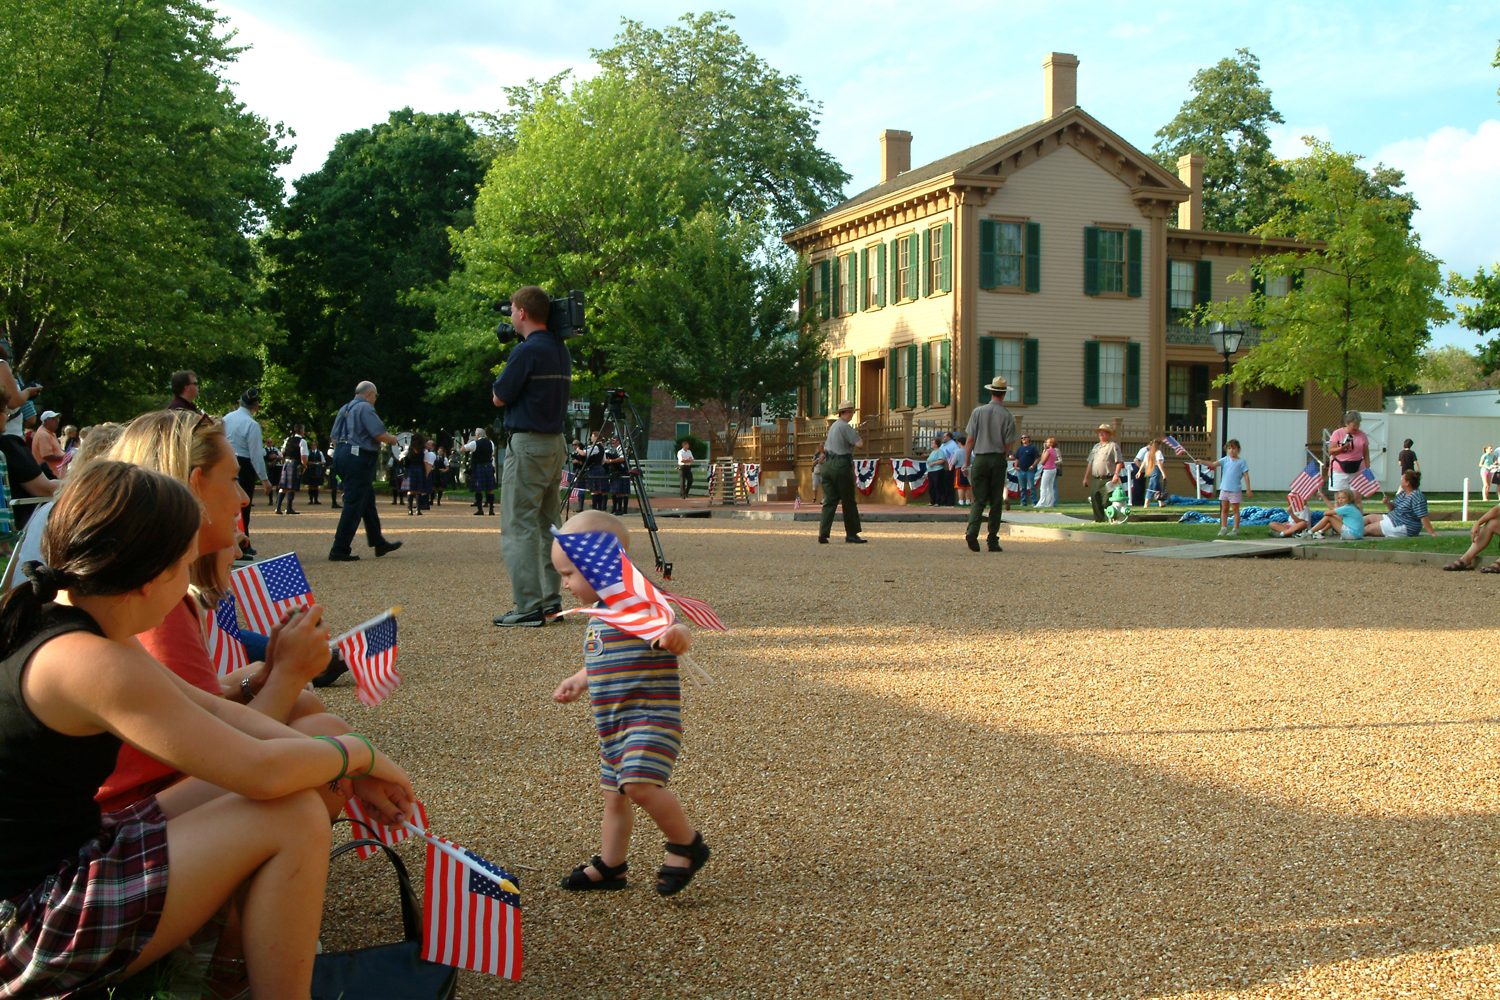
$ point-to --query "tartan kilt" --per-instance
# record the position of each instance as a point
(619, 484)
(290, 479)
(596, 480)
(89, 920)
(438, 480)
(482, 478)
(313, 476)
(415, 481)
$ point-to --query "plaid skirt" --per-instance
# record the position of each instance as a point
(85, 923)
(415, 481)
(290, 478)
(482, 478)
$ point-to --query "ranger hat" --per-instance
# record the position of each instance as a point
(1105, 427)
(998, 385)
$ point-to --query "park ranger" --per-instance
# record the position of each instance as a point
(991, 435)
(838, 476)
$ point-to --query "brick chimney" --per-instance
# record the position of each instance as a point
(895, 153)
(1060, 79)
(1190, 172)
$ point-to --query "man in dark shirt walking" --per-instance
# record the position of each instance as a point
(533, 389)
(184, 392)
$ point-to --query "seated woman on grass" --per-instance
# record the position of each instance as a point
(1407, 513)
(1480, 535)
(88, 900)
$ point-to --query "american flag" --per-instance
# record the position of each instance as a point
(224, 646)
(470, 921)
(631, 601)
(1308, 482)
(1296, 505)
(698, 613)
(267, 590)
(371, 656)
(374, 827)
(1172, 443)
(1365, 483)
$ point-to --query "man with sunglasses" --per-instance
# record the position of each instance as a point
(184, 392)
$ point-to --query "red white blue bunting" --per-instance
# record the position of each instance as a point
(864, 474)
(752, 476)
(911, 476)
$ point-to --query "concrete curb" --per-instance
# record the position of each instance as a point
(1438, 559)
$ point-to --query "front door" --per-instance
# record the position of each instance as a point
(872, 388)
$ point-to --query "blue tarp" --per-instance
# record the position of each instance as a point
(1248, 515)
(1175, 501)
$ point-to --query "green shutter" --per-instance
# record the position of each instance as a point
(927, 256)
(1033, 256)
(1203, 293)
(912, 377)
(986, 369)
(823, 390)
(1133, 263)
(1169, 289)
(945, 372)
(892, 387)
(807, 292)
(947, 256)
(880, 274)
(986, 253)
(812, 396)
(924, 359)
(1132, 374)
(1029, 382)
(1091, 283)
(853, 378)
(895, 272)
(825, 302)
(914, 276)
(1201, 380)
(1091, 373)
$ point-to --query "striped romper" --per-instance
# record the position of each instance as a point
(637, 707)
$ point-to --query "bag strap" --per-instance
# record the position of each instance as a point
(411, 913)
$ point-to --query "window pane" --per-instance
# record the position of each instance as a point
(1184, 280)
(1277, 287)
(1111, 260)
(683, 430)
(1008, 355)
(1179, 392)
(872, 276)
(935, 262)
(843, 281)
(1111, 374)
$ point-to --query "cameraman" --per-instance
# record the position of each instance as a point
(533, 388)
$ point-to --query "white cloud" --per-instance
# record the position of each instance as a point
(1286, 140)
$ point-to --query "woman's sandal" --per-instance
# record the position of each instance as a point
(1459, 566)
(1493, 567)
(672, 879)
(614, 878)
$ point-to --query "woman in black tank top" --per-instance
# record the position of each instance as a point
(84, 898)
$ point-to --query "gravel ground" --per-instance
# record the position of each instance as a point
(927, 773)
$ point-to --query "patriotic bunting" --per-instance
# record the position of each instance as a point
(1204, 475)
(267, 590)
(470, 921)
(224, 646)
(1012, 481)
(370, 654)
(864, 474)
(752, 476)
(911, 476)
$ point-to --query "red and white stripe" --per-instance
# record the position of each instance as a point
(225, 650)
(261, 613)
(375, 828)
(633, 605)
(1365, 484)
(375, 677)
(697, 612)
(465, 929)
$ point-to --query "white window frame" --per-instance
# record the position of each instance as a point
(842, 265)
(1108, 275)
(903, 267)
(1004, 348)
(1111, 381)
(935, 260)
(1277, 286)
(872, 276)
(904, 375)
(1183, 284)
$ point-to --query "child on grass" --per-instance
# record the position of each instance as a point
(1347, 518)
(634, 690)
(1234, 487)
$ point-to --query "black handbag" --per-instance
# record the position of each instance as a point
(385, 971)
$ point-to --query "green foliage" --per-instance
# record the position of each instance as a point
(360, 232)
(1225, 122)
(752, 126)
(730, 339)
(1483, 314)
(133, 180)
(1368, 296)
(1449, 369)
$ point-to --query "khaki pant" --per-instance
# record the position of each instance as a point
(987, 477)
(530, 505)
(838, 484)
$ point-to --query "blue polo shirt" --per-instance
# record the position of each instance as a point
(535, 384)
(1026, 457)
(357, 425)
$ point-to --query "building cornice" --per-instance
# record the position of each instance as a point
(1200, 242)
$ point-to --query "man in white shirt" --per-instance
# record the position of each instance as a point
(243, 432)
(685, 461)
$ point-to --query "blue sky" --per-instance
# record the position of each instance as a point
(1407, 83)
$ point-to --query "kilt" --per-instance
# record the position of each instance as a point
(290, 478)
(313, 476)
(619, 484)
(438, 480)
(415, 480)
(85, 923)
(597, 480)
(482, 478)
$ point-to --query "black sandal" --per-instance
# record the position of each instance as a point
(672, 879)
(614, 878)
(1493, 567)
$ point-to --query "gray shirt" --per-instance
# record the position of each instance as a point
(992, 429)
(243, 432)
(357, 425)
(841, 438)
(1103, 459)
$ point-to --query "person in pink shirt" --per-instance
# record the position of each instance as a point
(1050, 462)
(1350, 449)
(45, 447)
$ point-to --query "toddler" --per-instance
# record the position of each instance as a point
(634, 689)
(1234, 487)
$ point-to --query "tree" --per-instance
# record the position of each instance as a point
(732, 342)
(755, 128)
(1483, 315)
(133, 181)
(1449, 369)
(368, 226)
(1359, 304)
(1225, 122)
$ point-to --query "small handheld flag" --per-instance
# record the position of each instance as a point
(374, 827)
(1172, 443)
(1308, 482)
(267, 590)
(370, 652)
(224, 646)
(1364, 483)
(472, 916)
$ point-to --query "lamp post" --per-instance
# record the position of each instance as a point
(1225, 338)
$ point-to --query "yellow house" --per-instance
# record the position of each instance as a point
(1044, 255)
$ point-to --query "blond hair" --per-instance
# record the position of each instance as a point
(173, 442)
(1348, 498)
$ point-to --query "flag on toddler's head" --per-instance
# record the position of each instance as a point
(371, 656)
(1308, 481)
(1172, 443)
(470, 921)
(1295, 505)
(224, 646)
(631, 602)
(370, 826)
(267, 590)
(1364, 483)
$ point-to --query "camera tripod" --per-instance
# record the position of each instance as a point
(622, 422)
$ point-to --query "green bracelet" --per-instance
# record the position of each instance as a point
(372, 753)
(345, 753)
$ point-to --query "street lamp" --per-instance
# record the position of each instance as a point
(1225, 338)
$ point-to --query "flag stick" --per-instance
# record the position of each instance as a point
(453, 853)
(393, 612)
(695, 674)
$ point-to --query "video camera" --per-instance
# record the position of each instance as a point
(564, 318)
